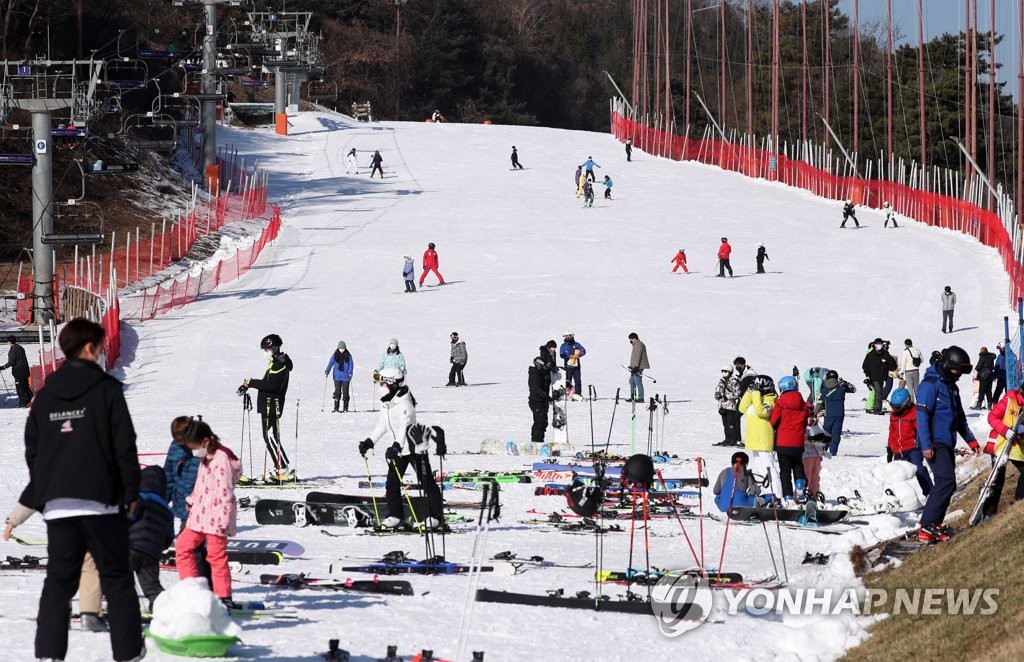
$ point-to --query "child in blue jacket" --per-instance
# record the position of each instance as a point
(181, 469)
(832, 401)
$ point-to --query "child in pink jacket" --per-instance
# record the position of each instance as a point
(212, 509)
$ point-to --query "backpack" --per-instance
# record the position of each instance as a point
(915, 360)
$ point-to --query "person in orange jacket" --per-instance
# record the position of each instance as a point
(680, 261)
(903, 436)
(1002, 419)
(724, 251)
(430, 264)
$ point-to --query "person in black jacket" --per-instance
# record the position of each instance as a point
(376, 160)
(877, 364)
(762, 255)
(270, 401)
(151, 532)
(539, 381)
(83, 470)
(848, 213)
(18, 363)
(985, 368)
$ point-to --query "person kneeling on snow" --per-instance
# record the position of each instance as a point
(903, 436)
(736, 486)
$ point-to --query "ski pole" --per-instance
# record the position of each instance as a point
(650, 426)
(642, 375)
(323, 403)
(297, 401)
(6, 388)
(612, 424)
(373, 497)
(592, 393)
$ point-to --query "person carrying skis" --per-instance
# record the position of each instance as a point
(515, 159)
(340, 367)
(430, 263)
(607, 187)
(397, 423)
(736, 486)
(762, 255)
(940, 418)
(151, 531)
(18, 363)
(680, 261)
(848, 213)
(909, 367)
(589, 166)
(392, 358)
(789, 419)
(571, 352)
(409, 274)
(757, 403)
(832, 403)
(948, 304)
(637, 364)
(727, 394)
(588, 194)
(903, 436)
(376, 160)
(629, 150)
(271, 391)
(876, 366)
(539, 382)
(458, 358)
(1003, 418)
(724, 251)
(351, 167)
(890, 215)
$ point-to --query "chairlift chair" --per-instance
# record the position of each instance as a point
(75, 222)
(125, 74)
(320, 91)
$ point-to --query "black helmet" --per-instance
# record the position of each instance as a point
(430, 245)
(740, 457)
(955, 358)
(273, 341)
(764, 384)
(831, 374)
(584, 500)
(639, 470)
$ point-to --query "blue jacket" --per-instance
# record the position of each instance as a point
(152, 524)
(1001, 364)
(607, 182)
(741, 496)
(589, 164)
(940, 414)
(833, 399)
(566, 350)
(342, 364)
(180, 469)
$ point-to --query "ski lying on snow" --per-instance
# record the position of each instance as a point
(694, 612)
(241, 557)
(286, 547)
(300, 580)
(415, 567)
(366, 500)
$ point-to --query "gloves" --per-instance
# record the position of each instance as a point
(393, 452)
(364, 446)
(1010, 435)
(867, 380)
(242, 389)
(441, 447)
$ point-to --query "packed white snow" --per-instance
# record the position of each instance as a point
(190, 608)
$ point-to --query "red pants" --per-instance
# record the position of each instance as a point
(680, 264)
(812, 469)
(216, 556)
(437, 273)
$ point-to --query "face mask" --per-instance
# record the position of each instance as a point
(384, 390)
(200, 452)
(878, 348)
(392, 347)
(268, 355)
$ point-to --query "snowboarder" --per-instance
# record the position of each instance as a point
(351, 167)
(637, 364)
(762, 255)
(903, 436)
(909, 367)
(789, 419)
(397, 422)
(890, 215)
(876, 366)
(458, 358)
(589, 166)
(18, 363)
(629, 150)
(539, 382)
(985, 370)
(757, 403)
(409, 274)
(848, 213)
(588, 194)
(392, 358)
(940, 417)
(680, 261)
(736, 486)
(571, 353)
(1002, 417)
(727, 393)
(430, 264)
(607, 187)
(376, 160)
(270, 402)
(723, 258)
(340, 367)
(515, 159)
(151, 531)
(948, 304)
(832, 403)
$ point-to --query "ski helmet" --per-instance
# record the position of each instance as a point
(740, 457)
(639, 470)
(273, 341)
(908, 342)
(391, 376)
(764, 384)
(568, 334)
(899, 397)
(955, 358)
(787, 383)
(584, 500)
(831, 374)
(725, 239)
(430, 245)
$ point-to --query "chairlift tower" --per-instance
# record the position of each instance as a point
(297, 55)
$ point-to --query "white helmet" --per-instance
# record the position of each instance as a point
(391, 376)
(568, 334)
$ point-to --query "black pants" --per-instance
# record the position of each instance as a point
(106, 538)
(340, 394)
(147, 571)
(24, 391)
(947, 318)
(847, 217)
(984, 392)
(629, 155)
(879, 398)
(424, 476)
(271, 419)
(991, 505)
(590, 176)
(731, 424)
(455, 376)
(377, 168)
(540, 422)
(791, 469)
(723, 264)
(515, 164)
(760, 266)
(1000, 385)
(573, 378)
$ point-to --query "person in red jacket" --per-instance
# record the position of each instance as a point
(680, 261)
(724, 251)
(903, 436)
(430, 264)
(789, 418)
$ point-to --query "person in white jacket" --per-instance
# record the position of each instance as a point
(908, 365)
(351, 167)
(410, 443)
(948, 304)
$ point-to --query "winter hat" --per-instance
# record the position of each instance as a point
(393, 344)
(430, 245)
(727, 368)
(551, 344)
(12, 339)
(725, 239)
(908, 342)
(341, 346)
(948, 289)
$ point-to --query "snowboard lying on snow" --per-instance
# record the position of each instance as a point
(799, 515)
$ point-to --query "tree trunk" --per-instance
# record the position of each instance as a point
(28, 30)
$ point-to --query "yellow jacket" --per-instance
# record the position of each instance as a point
(757, 408)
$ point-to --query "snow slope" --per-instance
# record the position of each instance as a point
(526, 263)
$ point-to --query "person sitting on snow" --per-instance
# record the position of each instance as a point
(736, 486)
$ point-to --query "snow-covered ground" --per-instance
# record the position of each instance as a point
(525, 263)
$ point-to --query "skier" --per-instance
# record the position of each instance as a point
(589, 165)
(986, 373)
(1000, 371)
(727, 393)
(762, 255)
(588, 194)
(430, 264)
(409, 274)
(876, 366)
(607, 187)
(940, 417)
(458, 358)
(736, 486)
(577, 181)
(397, 422)
(909, 367)
(948, 304)
(1002, 418)
(629, 149)
(903, 436)
(351, 167)
(680, 261)
(789, 419)
(515, 159)
(848, 213)
(832, 402)
(392, 358)
(757, 403)
(539, 382)
(637, 364)
(376, 160)
(151, 531)
(18, 363)
(571, 353)
(270, 402)
(723, 258)
(341, 365)
(890, 215)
